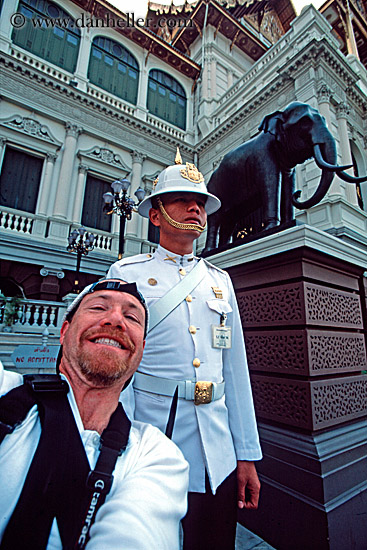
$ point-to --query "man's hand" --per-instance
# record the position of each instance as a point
(248, 485)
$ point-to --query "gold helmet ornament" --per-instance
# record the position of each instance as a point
(179, 178)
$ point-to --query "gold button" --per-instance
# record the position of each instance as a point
(192, 329)
(152, 281)
(182, 271)
(188, 298)
(149, 255)
(196, 362)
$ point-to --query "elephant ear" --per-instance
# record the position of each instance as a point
(271, 122)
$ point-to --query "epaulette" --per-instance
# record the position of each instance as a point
(215, 267)
(135, 259)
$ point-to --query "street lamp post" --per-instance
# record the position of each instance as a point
(121, 204)
(81, 242)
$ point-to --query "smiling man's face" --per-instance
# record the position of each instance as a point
(104, 342)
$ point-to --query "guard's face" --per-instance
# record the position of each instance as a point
(104, 342)
(182, 208)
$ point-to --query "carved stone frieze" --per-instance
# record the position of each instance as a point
(282, 401)
(305, 352)
(269, 307)
(107, 156)
(31, 127)
(310, 405)
(326, 306)
(336, 401)
(300, 303)
(336, 352)
(277, 351)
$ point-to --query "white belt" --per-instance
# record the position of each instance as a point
(200, 392)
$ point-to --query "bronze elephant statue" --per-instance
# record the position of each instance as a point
(260, 174)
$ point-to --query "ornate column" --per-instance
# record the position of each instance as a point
(63, 192)
(323, 97)
(79, 194)
(133, 226)
(83, 58)
(44, 196)
(141, 102)
(342, 112)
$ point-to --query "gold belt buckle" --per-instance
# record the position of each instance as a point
(203, 392)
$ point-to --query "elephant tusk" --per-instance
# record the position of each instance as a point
(351, 179)
(321, 163)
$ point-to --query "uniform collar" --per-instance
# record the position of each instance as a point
(171, 258)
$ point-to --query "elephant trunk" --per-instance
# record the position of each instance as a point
(326, 152)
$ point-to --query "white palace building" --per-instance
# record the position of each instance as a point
(99, 96)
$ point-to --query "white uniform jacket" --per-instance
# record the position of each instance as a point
(213, 435)
(148, 495)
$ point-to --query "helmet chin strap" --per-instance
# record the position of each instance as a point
(178, 225)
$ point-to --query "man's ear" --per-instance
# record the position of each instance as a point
(154, 216)
(63, 331)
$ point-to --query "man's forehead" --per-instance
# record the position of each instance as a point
(112, 296)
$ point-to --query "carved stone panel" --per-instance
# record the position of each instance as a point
(328, 306)
(277, 351)
(281, 400)
(331, 352)
(336, 401)
(300, 304)
(282, 305)
(305, 352)
(310, 405)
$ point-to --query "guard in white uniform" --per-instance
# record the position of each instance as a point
(196, 343)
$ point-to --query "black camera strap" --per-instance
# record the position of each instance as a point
(59, 482)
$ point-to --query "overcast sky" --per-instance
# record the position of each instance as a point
(139, 7)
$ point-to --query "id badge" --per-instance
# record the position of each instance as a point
(221, 337)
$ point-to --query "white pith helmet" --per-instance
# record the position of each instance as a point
(180, 178)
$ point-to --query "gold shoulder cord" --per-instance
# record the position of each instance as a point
(178, 225)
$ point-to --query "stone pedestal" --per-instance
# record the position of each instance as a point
(302, 299)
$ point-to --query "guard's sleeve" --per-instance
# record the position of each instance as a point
(147, 500)
(238, 392)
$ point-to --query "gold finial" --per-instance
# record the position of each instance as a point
(178, 159)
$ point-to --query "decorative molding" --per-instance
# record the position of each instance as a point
(138, 157)
(30, 127)
(324, 93)
(342, 110)
(149, 179)
(51, 157)
(73, 129)
(83, 169)
(46, 271)
(107, 156)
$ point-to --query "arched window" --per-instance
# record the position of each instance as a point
(57, 42)
(166, 98)
(113, 68)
